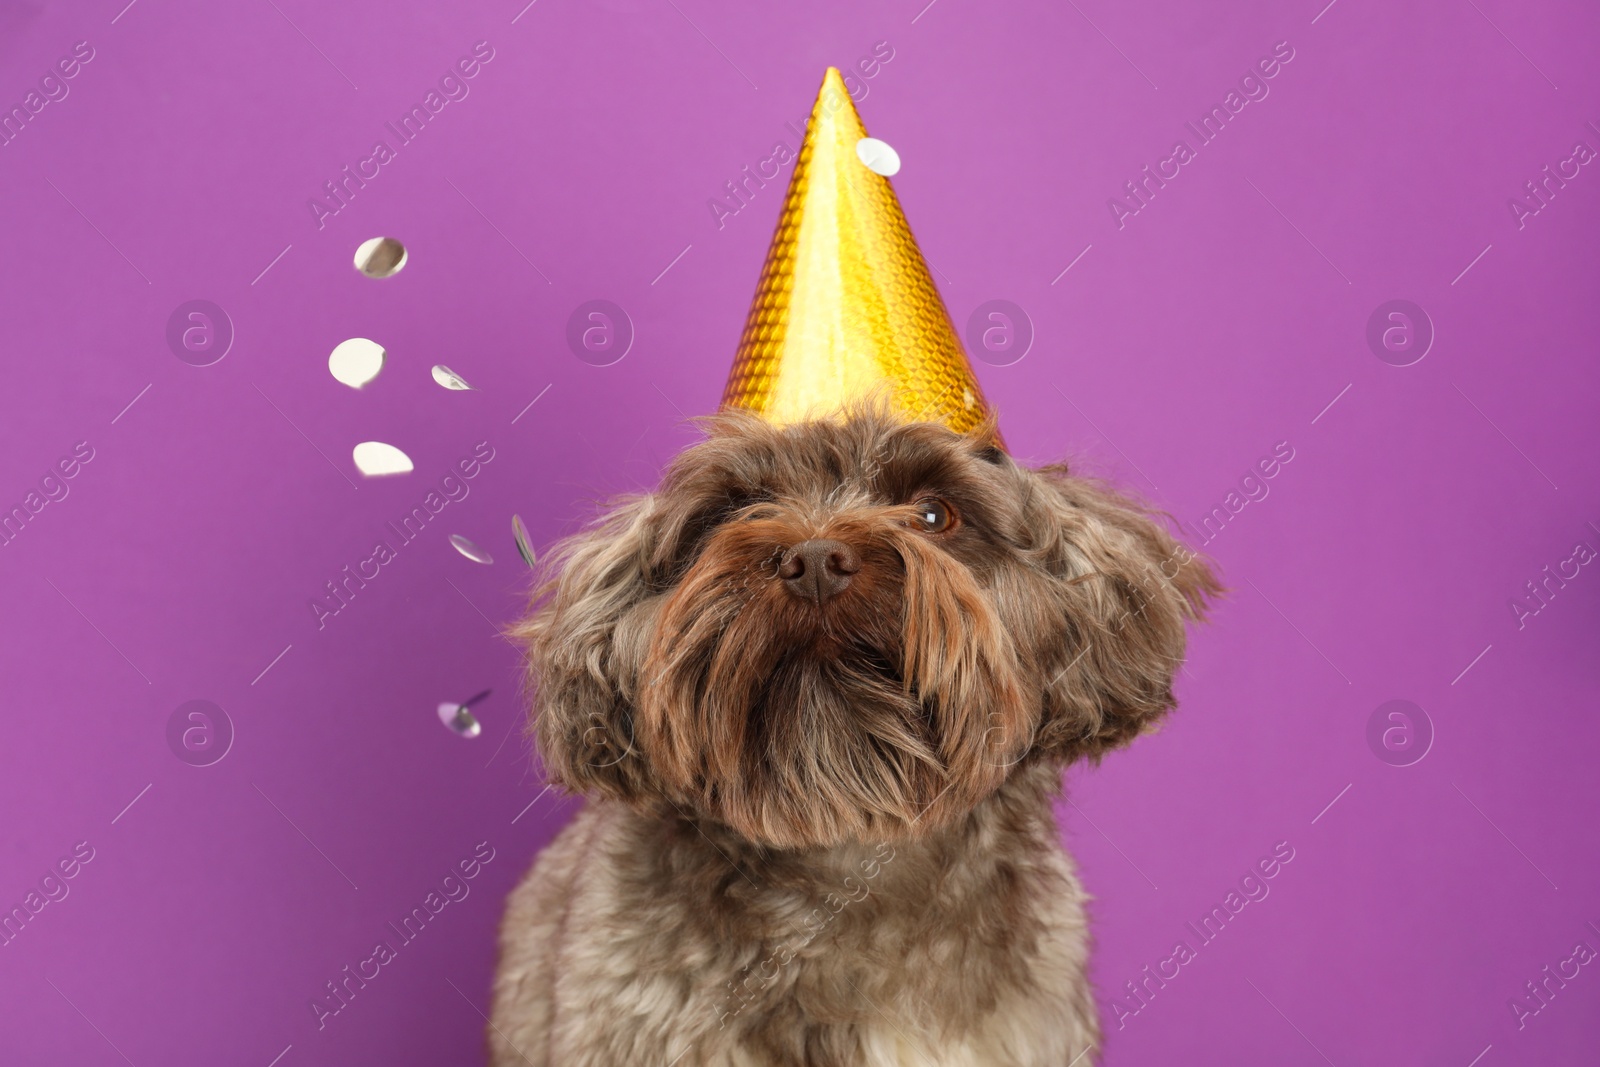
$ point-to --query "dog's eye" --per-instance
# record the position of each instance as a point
(935, 516)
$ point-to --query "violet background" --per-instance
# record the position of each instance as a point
(1176, 351)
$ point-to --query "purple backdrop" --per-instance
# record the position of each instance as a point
(1232, 312)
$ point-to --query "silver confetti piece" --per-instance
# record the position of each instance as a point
(449, 378)
(524, 542)
(459, 718)
(470, 550)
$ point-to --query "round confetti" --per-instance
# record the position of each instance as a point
(376, 459)
(459, 718)
(356, 362)
(878, 157)
(448, 378)
(524, 542)
(470, 550)
(381, 257)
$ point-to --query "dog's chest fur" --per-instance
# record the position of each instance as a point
(645, 941)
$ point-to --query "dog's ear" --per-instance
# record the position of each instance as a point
(1123, 588)
(584, 641)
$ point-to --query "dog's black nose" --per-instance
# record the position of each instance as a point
(818, 569)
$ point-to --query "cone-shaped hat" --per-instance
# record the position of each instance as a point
(845, 304)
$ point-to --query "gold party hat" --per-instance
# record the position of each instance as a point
(845, 304)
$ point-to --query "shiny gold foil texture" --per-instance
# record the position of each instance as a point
(845, 303)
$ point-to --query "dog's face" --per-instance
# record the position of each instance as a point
(852, 629)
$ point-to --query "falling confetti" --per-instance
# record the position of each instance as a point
(470, 550)
(459, 718)
(376, 459)
(381, 257)
(878, 157)
(524, 542)
(448, 378)
(356, 362)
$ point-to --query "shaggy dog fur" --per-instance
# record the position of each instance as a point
(820, 826)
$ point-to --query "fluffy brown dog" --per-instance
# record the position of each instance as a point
(820, 688)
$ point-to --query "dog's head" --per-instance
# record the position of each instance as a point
(851, 629)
